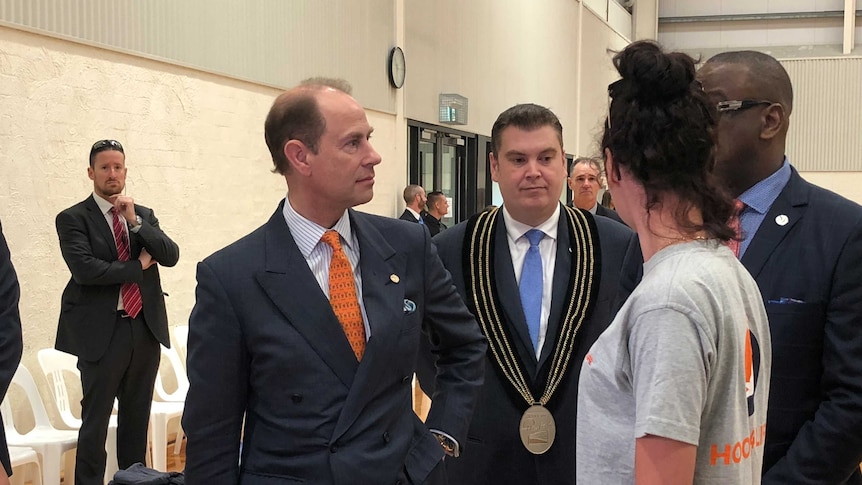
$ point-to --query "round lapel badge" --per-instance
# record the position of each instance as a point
(782, 220)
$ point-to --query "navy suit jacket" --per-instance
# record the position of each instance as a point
(604, 211)
(494, 452)
(408, 216)
(809, 271)
(265, 345)
(88, 310)
(11, 344)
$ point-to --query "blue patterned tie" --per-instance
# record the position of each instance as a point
(531, 285)
(421, 220)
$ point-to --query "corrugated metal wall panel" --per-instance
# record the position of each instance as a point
(826, 123)
(275, 42)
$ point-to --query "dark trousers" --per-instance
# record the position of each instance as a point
(126, 372)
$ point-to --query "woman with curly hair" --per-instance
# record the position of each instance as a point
(675, 390)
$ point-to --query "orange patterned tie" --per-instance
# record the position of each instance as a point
(342, 295)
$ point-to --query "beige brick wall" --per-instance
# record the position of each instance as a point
(195, 154)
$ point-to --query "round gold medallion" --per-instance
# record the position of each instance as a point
(537, 429)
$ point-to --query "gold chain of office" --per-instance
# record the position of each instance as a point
(485, 300)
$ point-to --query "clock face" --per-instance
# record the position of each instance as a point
(397, 67)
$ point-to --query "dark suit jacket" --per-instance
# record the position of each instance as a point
(88, 310)
(11, 344)
(604, 211)
(814, 422)
(494, 453)
(264, 343)
(408, 216)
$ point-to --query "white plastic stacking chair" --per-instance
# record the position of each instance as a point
(180, 340)
(179, 395)
(21, 457)
(55, 364)
(49, 442)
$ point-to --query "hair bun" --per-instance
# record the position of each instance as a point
(651, 76)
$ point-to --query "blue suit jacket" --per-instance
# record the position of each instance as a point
(494, 453)
(264, 345)
(810, 274)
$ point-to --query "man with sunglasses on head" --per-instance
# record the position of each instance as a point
(112, 314)
(803, 246)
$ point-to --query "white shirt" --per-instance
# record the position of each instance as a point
(106, 207)
(318, 254)
(518, 246)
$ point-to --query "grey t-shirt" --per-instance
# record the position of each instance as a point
(687, 358)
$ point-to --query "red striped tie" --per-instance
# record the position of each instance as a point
(342, 295)
(130, 292)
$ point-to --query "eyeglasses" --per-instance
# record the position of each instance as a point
(739, 105)
(102, 145)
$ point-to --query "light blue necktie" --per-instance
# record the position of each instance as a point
(532, 285)
(421, 220)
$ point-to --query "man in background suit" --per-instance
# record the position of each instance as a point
(585, 179)
(539, 337)
(11, 344)
(325, 394)
(112, 315)
(803, 245)
(414, 200)
(438, 207)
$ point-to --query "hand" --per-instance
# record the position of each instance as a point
(4, 480)
(146, 259)
(125, 206)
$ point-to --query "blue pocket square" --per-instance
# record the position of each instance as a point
(409, 306)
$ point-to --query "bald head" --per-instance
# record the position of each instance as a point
(767, 78)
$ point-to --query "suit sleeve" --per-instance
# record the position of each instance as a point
(86, 268)
(11, 344)
(158, 244)
(218, 375)
(459, 348)
(829, 447)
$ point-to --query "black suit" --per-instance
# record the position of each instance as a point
(408, 216)
(266, 349)
(11, 344)
(494, 453)
(604, 211)
(118, 357)
(807, 260)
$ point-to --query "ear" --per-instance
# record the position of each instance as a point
(773, 121)
(91, 173)
(296, 153)
(495, 166)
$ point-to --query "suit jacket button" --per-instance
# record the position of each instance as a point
(296, 398)
(386, 437)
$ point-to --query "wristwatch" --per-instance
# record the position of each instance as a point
(449, 446)
(138, 220)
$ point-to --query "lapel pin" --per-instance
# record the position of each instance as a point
(782, 220)
(394, 278)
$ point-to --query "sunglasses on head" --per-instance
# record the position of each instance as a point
(103, 145)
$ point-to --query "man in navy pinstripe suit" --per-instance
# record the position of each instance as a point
(803, 245)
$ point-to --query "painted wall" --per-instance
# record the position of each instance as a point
(195, 154)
